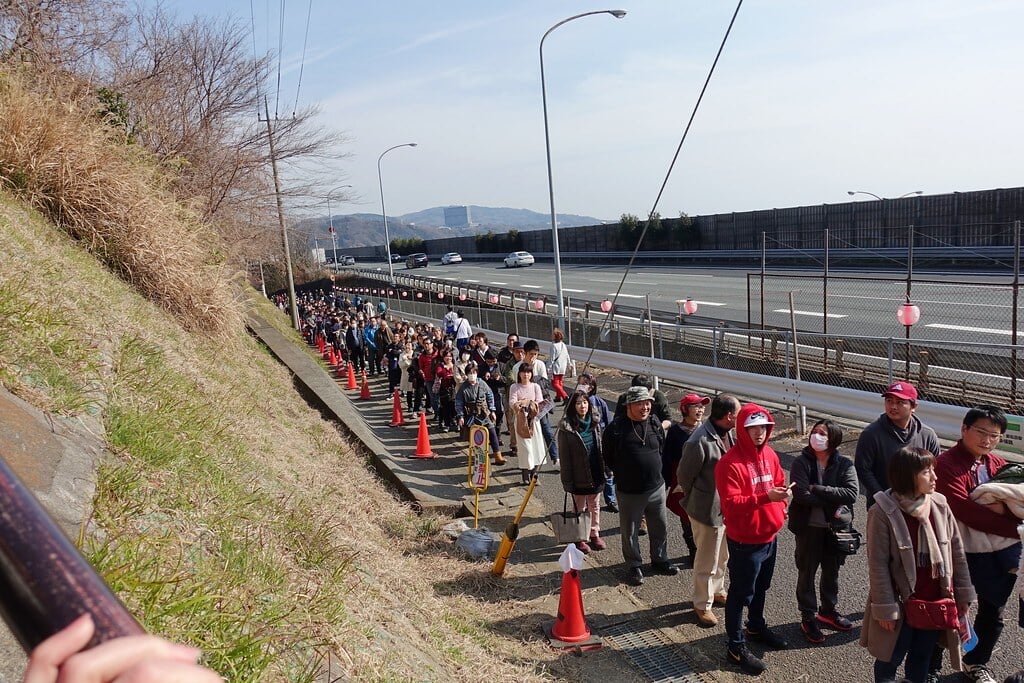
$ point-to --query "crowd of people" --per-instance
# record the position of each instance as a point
(932, 539)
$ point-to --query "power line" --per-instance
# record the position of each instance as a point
(302, 64)
(280, 52)
(255, 54)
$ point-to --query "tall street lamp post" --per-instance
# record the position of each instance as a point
(384, 213)
(618, 14)
(330, 219)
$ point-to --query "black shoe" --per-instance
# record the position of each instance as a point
(811, 631)
(836, 621)
(745, 660)
(767, 637)
(664, 568)
(635, 577)
(611, 507)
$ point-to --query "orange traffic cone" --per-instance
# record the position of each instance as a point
(320, 343)
(326, 352)
(423, 441)
(570, 627)
(351, 378)
(364, 393)
(333, 359)
(396, 411)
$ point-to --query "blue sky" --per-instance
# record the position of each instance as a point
(810, 99)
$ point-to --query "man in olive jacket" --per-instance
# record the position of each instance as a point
(696, 478)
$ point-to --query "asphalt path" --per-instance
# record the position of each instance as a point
(950, 310)
(666, 600)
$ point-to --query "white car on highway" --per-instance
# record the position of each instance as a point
(451, 257)
(519, 258)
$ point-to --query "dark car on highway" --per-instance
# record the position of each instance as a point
(416, 261)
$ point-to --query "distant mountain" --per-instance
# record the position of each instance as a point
(367, 229)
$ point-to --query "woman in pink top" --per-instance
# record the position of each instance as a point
(524, 399)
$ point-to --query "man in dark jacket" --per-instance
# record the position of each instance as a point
(695, 476)
(895, 428)
(659, 402)
(632, 451)
(989, 536)
(355, 344)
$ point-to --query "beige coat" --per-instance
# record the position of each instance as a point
(891, 560)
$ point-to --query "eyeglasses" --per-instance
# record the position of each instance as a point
(992, 436)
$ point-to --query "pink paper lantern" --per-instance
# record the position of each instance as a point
(493, 298)
(539, 304)
(405, 294)
(908, 314)
(690, 307)
(462, 297)
(606, 305)
(419, 295)
(440, 295)
(391, 292)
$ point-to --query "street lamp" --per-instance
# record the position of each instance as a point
(330, 219)
(618, 14)
(882, 199)
(383, 211)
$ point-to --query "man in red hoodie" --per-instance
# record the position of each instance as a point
(753, 492)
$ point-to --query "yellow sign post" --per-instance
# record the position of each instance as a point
(479, 466)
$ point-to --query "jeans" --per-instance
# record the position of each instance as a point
(751, 566)
(990, 574)
(609, 489)
(632, 508)
(917, 646)
(549, 438)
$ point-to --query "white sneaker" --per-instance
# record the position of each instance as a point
(978, 673)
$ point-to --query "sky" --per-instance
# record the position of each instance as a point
(810, 99)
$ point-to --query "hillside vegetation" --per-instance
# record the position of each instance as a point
(231, 515)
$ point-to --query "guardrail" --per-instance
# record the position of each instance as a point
(820, 399)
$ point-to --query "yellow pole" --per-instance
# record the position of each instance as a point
(508, 540)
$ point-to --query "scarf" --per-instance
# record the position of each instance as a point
(587, 433)
(928, 553)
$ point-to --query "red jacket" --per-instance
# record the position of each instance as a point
(743, 477)
(955, 481)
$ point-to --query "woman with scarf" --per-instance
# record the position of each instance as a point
(582, 471)
(914, 551)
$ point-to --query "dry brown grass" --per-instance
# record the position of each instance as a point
(110, 197)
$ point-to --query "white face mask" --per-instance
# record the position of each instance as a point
(819, 442)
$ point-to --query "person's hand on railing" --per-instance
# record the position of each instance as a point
(131, 659)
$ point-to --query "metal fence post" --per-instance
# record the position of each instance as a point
(891, 360)
(787, 354)
(714, 348)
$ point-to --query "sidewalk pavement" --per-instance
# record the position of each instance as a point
(441, 484)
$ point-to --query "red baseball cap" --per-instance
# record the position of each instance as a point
(690, 399)
(902, 390)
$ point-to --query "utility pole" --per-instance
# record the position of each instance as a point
(280, 220)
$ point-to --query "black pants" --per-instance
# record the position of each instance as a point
(990, 574)
(813, 553)
(356, 355)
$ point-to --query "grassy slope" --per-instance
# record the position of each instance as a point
(232, 516)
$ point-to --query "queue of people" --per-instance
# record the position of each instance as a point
(941, 528)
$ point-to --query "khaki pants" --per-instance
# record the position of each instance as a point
(710, 564)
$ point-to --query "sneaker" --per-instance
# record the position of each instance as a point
(643, 527)
(979, 673)
(767, 637)
(612, 507)
(583, 547)
(812, 632)
(597, 543)
(720, 599)
(706, 617)
(635, 577)
(745, 660)
(836, 621)
(664, 568)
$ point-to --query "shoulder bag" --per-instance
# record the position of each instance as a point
(931, 615)
(570, 527)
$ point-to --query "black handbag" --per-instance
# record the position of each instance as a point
(843, 538)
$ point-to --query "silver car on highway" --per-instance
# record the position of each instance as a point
(519, 258)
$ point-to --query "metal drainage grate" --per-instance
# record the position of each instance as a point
(656, 655)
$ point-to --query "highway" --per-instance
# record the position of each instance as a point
(980, 312)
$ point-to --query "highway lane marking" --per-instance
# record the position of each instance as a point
(964, 328)
(497, 283)
(471, 281)
(531, 286)
(814, 314)
(630, 296)
(577, 291)
(900, 299)
(708, 303)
